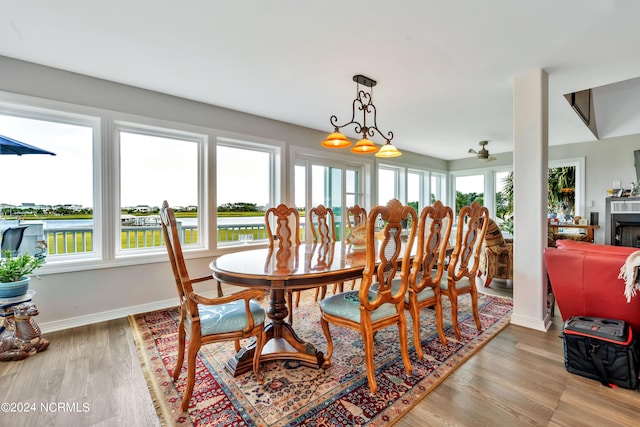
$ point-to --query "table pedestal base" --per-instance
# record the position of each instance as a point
(281, 341)
(283, 345)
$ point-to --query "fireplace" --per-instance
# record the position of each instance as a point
(626, 231)
(623, 221)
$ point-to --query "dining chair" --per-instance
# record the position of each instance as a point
(286, 235)
(207, 320)
(356, 216)
(368, 311)
(463, 265)
(321, 223)
(434, 230)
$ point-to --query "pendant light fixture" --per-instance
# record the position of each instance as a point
(364, 103)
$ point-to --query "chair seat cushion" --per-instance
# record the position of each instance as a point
(230, 317)
(460, 284)
(347, 306)
(426, 293)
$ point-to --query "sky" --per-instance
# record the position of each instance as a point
(152, 168)
(43, 179)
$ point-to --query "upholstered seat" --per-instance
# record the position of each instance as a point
(347, 305)
(230, 317)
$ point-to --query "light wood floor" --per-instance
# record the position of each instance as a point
(517, 379)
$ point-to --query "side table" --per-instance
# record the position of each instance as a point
(20, 335)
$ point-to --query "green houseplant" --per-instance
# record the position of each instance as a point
(15, 271)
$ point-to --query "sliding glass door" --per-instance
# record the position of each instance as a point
(334, 186)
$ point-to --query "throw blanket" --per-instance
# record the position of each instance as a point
(629, 273)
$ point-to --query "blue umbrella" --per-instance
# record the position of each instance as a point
(11, 146)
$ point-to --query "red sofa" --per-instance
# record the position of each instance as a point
(584, 279)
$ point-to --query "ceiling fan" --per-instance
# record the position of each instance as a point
(483, 154)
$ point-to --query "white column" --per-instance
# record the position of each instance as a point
(530, 164)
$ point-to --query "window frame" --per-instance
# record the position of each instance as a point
(119, 126)
(307, 158)
(56, 112)
(271, 147)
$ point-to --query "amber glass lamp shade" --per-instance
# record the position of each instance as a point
(364, 146)
(388, 150)
(336, 140)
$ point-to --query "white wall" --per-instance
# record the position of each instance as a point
(82, 297)
(607, 160)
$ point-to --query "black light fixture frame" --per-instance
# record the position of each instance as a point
(364, 103)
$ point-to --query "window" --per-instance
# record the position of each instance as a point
(156, 165)
(246, 181)
(423, 187)
(415, 191)
(336, 186)
(53, 194)
(388, 185)
(438, 188)
(504, 200)
(469, 189)
(97, 200)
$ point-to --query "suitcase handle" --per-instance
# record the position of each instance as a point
(595, 358)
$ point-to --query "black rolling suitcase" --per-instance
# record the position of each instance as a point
(601, 349)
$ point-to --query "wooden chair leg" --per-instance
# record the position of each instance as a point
(367, 339)
(219, 286)
(192, 352)
(454, 315)
(439, 322)
(298, 297)
(404, 342)
(415, 319)
(487, 282)
(327, 335)
(181, 343)
(474, 304)
(260, 339)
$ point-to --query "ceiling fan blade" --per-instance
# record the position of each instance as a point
(490, 158)
(471, 150)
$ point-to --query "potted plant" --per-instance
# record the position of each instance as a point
(14, 273)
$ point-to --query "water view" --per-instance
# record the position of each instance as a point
(60, 224)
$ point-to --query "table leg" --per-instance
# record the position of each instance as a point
(282, 343)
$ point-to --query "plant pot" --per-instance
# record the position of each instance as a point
(14, 289)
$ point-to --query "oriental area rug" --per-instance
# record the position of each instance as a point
(294, 395)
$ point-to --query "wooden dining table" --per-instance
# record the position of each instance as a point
(277, 270)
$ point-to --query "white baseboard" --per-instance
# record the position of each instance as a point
(74, 322)
(529, 322)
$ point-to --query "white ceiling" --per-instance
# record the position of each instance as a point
(444, 68)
